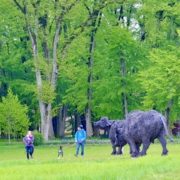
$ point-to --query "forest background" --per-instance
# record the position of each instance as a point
(84, 59)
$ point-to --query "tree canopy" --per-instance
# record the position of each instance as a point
(86, 59)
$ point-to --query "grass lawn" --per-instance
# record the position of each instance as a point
(97, 164)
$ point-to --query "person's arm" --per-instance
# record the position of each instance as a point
(25, 141)
(76, 137)
(84, 135)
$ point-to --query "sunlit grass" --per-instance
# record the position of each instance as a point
(96, 164)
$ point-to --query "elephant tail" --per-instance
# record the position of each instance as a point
(165, 127)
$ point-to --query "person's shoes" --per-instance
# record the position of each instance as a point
(31, 158)
(76, 155)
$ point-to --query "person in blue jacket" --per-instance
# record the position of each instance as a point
(80, 138)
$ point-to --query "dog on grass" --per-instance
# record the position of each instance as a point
(60, 152)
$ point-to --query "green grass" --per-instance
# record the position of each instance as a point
(97, 164)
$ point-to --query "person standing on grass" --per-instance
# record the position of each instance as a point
(29, 146)
(80, 138)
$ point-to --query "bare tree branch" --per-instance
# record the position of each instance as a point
(19, 6)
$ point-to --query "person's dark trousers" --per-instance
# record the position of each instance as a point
(29, 150)
(82, 148)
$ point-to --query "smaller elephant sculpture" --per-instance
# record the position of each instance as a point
(113, 126)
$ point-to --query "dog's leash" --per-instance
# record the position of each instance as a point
(69, 146)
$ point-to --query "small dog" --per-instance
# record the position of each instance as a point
(60, 152)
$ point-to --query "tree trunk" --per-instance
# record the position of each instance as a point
(125, 104)
(53, 82)
(96, 132)
(45, 109)
(77, 121)
(9, 137)
(45, 120)
(61, 120)
(88, 107)
(123, 74)
(121, 15)
(89, 130)
(61, 123)
(122, 61)
(167, 113)
(58, 119)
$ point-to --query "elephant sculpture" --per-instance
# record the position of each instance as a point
(144, 127)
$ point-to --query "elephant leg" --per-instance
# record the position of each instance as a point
(130, 150)
(114, 150)
(133, 149)
(138, 146)
(119, 150)
(163, 143)
(146, 143)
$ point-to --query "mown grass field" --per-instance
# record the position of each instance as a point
(97, 164)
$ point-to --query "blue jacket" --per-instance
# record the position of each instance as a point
(80, 135)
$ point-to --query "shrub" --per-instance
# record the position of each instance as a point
(38, 138)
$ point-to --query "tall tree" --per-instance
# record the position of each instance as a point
(78, 63)
(94, 25)
(44, 22)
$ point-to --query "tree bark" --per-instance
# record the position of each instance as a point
(58, 122)
(9, 135)
(45, 109)
(88, 107)
(167, 113)
(89, 130)
(124, 98)
(77, 121)
(61, 120)
(97, 19)
(96, 132)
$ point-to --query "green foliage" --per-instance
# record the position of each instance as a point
(144, 34)
(13, 116)
(161, 79)
(46, 93)
(110, 83)
(160, 76)
(38, 138)
(74, 68)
